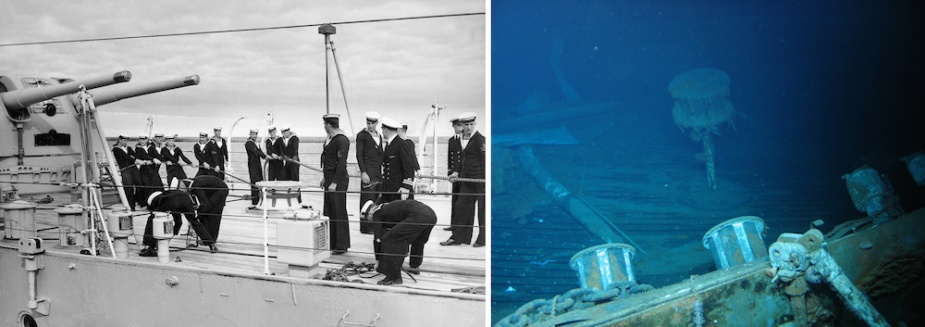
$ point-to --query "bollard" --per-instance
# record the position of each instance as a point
(736, 241)
(604, 267)
(70, 222)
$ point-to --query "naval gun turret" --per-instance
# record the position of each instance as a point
(40, 137)
(17, 97)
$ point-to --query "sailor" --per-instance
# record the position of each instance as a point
(289, 150)
(398, 225)
(143, 189)
(222, 144)
(403, 134)
(274, 161)
(128, 169)
(211, 192)
(397, 162)
(172, 156)
(214, 155)
(253, 166)
(335, 182)
(369, 162)
(199, 152)
(154, 152)
(175, 202)
(471, 193)
(453, 163)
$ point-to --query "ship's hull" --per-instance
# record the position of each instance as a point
(884, 262)
(95, 291)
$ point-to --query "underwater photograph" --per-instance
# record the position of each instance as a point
(710, 163)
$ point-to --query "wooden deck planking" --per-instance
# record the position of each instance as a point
(241, 244)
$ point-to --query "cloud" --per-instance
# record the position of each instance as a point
(397, 67)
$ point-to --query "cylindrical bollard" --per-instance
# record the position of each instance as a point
(120, 247)
(867, 190)
(119, 224)
(19, 219)
(916, 165)
(736, 241)
(604, 267)
(70, 222)
(162, 230)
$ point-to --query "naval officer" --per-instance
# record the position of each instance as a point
(398, 225)
(397, 162)
(403, 134)
(472, 193)
(453, 164)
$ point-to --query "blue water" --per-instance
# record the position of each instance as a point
(819, 88)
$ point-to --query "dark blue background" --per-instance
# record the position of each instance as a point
(836, 84)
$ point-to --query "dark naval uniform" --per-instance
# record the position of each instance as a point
(397, 165)
(253, 168)
(453, 164)
(199, 152)
(473, 166)
(417, 167)
(334, 167)
(212, 153)
(290, 150)
(129, 172)
(369, 161)
(144, 189)
(211, 192)
(274, 166)
(174, 169)
(157, 183)
(400, 224)
(176, 202)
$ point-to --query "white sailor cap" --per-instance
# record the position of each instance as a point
(142, 137)
(367, 207)
(159, 135)
(466, 117)
(152, 196)
(217, 128)
(284, 129)
(171, 136)
(331, 117)
(254, 131)
(272, 128)
(122, 137)
(203, 134)
(372, 116)
(455, 121)
(390, 123)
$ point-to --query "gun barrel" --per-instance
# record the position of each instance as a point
(24, 98)
(104, 96)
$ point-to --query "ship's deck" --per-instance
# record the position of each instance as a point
(445, 268)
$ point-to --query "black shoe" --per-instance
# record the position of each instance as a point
(450, 242)
(447, 228)
(366, 232)
(338, 252)
(213, 248)
(387, 282)
(413, 270)
(478, 245)
(148, 252)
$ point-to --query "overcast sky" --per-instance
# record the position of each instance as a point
(397, 68)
